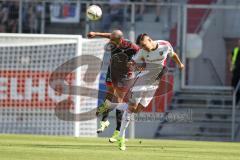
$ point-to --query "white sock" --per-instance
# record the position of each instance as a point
(125, 122)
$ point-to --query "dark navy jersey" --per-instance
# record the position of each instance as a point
(120, 55)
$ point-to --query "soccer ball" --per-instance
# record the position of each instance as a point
(94, 12)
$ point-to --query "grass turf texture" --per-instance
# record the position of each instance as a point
(29, 147)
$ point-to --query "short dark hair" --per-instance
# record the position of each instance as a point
(140, 38)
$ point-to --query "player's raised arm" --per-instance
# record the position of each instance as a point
(174, 56)
(99, 34)
(177, 60)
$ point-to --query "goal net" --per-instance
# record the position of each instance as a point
(27, 101)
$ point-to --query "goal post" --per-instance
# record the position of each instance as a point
(27, 101)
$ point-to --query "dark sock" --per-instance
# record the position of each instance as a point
(119, 114)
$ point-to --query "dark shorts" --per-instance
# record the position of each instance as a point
(123, 82)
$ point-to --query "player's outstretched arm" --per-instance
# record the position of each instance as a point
(98, 34)
(177, 60)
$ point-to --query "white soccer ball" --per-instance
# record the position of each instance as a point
(94, 12)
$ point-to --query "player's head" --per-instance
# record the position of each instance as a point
(145, 42)
(116, 36)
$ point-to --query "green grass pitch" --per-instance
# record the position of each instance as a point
(29, 147)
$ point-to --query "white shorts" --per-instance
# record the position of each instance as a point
(145, 88)
(143, 94)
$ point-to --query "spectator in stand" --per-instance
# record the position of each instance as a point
(116, 14)
(157, 19)
(12, 17)
(31, 17)
(3, 16)
(25, 19)
(141, 8)
(39, 9)
(33, 22)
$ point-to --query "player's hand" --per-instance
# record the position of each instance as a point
(91, 35)
(181, 66)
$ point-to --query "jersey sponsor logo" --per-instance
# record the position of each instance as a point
(161, 53)
(155, 60)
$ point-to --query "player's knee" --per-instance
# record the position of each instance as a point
(139, 108)
(120, 96)
(132, 108)
(119, 100)
(135, 110)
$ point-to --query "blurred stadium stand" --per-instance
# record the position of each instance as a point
(211, 115)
